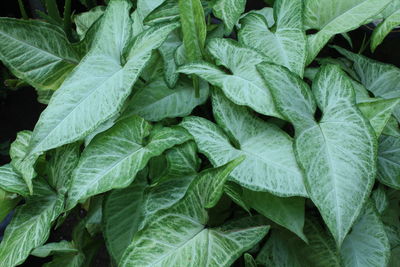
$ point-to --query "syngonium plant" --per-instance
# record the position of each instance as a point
(195, 134)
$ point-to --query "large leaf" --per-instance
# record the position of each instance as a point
(244, 86)
(286, 44)
(333, 17)
(155, 101)
(367, 244)
(270, 164)
(229, 12)
(389, 161)
(30, 226)
(185, 240)
(114, 157)
(97, 88)
(339, 169)
(36, 52)
(383, 80)
(288, 212)
(11, 181)
(25, 166)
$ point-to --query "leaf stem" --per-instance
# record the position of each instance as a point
(22, 9)
(67, 19)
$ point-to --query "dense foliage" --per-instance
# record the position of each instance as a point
(191, 133)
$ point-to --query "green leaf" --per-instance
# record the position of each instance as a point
(339, 171)
(284, 45)
(384, 28)
(104, 80)
(287, 212)
(383, 80)
(62, 161)
(392, 127)
(8, 201)
(380, 199)
(102, 167)
(389, 161)
(229, 12)
(23, 164)
(367, 244)
(61, 247)
(168, 11)
(155, 101)
(122, 214)
(270, 164)
(249, 260)
(167, 51)
(379, 112)
(334, 17)
(185, 240)
(30, 226)
(321, 251)
(36, 52)
(282, 249)
(193, 28)
(11, 181)
(244, 86)
(85, 20)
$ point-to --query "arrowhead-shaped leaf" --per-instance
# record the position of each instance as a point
(286, 44)
(339, 171)
(106, 164)
(270, 164)
(97, 88)
(244, 86)
(30, 226)
(333, 17)
(36, 52)
(185, 240)
(229, 12)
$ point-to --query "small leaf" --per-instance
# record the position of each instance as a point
(384, 28)
(12, 182)
(61, 247)
(389, 161)
(229, 12)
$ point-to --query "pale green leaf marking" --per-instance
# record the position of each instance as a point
(339, 169)
(286, 44)
(229, 12)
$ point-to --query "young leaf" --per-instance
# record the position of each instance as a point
(379, 112)
(155, 101)
(104, 80)
(389, 161)
(333, 17)
(270, 164)
(8, 201)
(12, 182)
(286, 44)
(229, 12)
(30, 225)
(167, 51)
(184, 240)
(36, 52)
(25, 166)
(85, 20)
(102, 167)
(367, 244)
(244, 86)
(340, 171)
(54, 248)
